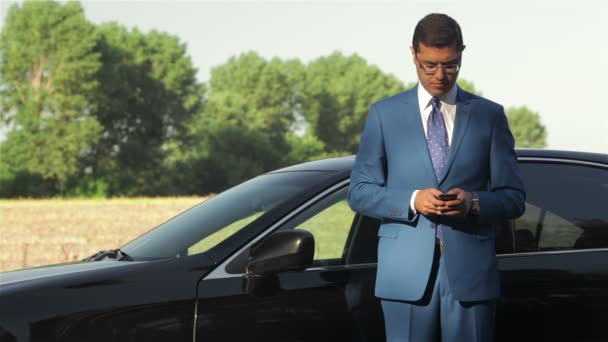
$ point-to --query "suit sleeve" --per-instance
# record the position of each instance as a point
(368, 193)
(506, 195)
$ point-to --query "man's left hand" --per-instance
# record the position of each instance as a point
(459, 207)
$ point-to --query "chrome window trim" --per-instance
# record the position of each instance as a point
(352, 266)
(563, 161)
(565, 251)
(313, 269)
(220, 271)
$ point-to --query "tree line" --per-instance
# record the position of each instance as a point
(104, 110)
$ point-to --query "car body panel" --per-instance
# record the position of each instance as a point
(125, 302)
(553, 297)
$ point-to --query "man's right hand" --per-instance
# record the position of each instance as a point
(427, 203)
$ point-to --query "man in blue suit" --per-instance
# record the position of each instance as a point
(437, 269)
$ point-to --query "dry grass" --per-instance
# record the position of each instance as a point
(43, 232)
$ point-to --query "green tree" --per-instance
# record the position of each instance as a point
(244, 127)
(47, 82)
(148, 92)
(336, 95)
(526, 127)
(469, 86)
(525, 124)
(304, 148)
(265, 91)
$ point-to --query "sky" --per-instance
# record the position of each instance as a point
(549, 55)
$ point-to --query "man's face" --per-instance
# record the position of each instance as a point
(437, 67)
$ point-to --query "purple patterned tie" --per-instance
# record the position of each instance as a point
(437, 141)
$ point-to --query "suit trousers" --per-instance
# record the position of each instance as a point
(438, 316)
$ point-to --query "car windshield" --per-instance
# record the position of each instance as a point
(212, 221)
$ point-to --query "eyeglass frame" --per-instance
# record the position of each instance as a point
(426, 71)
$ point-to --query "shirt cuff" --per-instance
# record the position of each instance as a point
(413, 202)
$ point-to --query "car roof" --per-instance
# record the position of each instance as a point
(346, 163)
(331, 164)
(600, 158)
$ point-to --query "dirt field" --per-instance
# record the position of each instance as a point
(43, 232)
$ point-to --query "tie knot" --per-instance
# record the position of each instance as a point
(436, 102)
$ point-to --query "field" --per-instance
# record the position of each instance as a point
(43, 232)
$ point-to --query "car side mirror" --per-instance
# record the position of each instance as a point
(289, 250)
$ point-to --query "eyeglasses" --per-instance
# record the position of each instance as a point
(431, 68)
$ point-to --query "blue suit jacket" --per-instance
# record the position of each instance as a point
(393, 161)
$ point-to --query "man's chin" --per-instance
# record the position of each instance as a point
(438, 89)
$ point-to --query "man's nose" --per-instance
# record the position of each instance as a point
(440, 74)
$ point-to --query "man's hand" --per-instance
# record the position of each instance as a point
(459, 207)
(428, 203)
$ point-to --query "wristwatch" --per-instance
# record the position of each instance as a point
(474, 204)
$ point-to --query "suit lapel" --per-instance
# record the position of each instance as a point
(414, 129)
(463, 115)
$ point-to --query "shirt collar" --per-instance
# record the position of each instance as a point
(424, 98)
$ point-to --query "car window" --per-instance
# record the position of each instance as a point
(211, 222)
(565, 208)
(330, 221)
(222, 234)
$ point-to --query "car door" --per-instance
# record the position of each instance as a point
(335, 298)
(555, 283)
(332, 300)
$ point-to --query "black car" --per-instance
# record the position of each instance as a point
(283, 258)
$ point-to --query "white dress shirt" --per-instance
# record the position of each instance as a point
(448, 110)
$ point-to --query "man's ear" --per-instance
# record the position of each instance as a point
(413, 54)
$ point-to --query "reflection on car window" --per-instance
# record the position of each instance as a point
(525, 229)
(209, 223)
(565, 208)
(329, 221)
(561, 234)
(330, 229)
(221, 235)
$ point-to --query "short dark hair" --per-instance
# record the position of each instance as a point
(437, 30)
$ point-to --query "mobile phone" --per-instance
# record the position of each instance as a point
(447, 197)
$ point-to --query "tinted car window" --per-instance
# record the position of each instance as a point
(565, 208)
(330, 222)
(209, 223)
